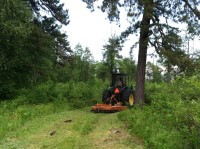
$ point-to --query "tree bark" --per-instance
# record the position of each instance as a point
(142, 56)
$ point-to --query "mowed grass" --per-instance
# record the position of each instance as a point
(75, 129)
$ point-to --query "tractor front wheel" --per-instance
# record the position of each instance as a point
(128, 97)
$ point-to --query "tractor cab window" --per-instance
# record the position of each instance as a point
(119, 80)
(124, 82)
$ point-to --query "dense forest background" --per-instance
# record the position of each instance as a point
(38, 67)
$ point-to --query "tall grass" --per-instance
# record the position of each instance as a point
(47, 98)
(172, 117)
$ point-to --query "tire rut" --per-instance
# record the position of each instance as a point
(110, 133)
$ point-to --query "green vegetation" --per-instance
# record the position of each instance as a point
(45, 99)
(46, 86)
(172, 118)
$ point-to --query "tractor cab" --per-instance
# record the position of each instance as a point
(119, 80)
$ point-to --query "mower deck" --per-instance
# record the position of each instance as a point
(108, 108)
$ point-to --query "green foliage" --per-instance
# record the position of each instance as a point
(53, 7)
(48, 14)
(76, 94)
(111, 53)
(82, 66)
(102, 71)
(14, 31)
(128, 66)
(171, 120)
(43, 93)
(31, 44)
(153, 73)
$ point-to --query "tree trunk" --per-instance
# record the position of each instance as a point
(142, 56)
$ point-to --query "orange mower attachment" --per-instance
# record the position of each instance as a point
(108, 108)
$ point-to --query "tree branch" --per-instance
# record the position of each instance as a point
(194, 10)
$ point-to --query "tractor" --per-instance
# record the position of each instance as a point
(118, 96)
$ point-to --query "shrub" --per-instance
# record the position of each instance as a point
(171, 119)
(43, 93)
(74, 93)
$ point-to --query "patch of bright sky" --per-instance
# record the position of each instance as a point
(92, 29)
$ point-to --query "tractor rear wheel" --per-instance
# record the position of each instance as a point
(106, 95)
(128, 97)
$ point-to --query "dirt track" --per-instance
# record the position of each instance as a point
(78, 129)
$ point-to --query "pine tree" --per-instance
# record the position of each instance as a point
(14, 31)
(53, 15)
(31, 43)
(146, 18)
(111, 53)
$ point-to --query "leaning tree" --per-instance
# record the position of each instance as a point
(155, 20)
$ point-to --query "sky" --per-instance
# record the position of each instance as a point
(92, 29)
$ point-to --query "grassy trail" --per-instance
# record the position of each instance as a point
(78, 129)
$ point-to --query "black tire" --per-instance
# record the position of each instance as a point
(128, 97)
(106, 95)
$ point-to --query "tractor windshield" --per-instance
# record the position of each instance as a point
(119, 80)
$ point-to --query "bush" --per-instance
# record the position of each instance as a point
(43, 93)
(78, 94)
(172, 117)
(47, 98)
